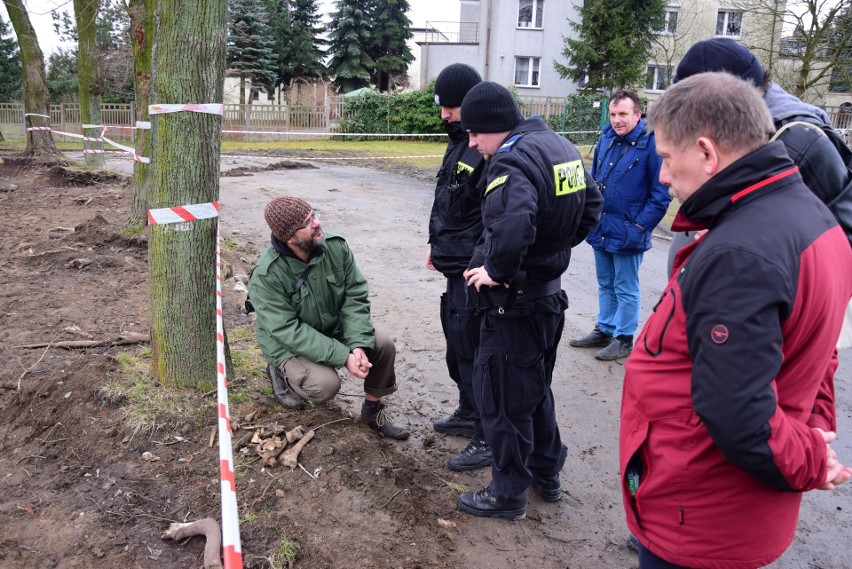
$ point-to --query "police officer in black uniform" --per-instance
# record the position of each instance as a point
(539, 202)
(454, 228)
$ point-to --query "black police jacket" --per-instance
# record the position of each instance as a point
(539, 203)
(456, 220)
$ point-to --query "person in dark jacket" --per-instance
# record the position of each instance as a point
(313, 317)
(538, 203)
(454, 227)
(627, 168)
(821, 166)
(728, 408)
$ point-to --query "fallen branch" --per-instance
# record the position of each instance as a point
(26, 371)
(209, 528)
(122, 340)
(291, 457)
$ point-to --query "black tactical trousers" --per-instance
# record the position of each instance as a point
(511, 380)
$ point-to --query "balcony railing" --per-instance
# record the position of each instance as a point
(451, 32)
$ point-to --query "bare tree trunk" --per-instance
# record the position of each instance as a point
(39, 142)
(141, 14)
(89, 79)
(242, 88)
(189, 65)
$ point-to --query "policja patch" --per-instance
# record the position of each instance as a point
(569, 177)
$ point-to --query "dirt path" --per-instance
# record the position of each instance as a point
(393, 494)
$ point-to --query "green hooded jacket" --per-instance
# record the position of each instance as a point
(325, 320)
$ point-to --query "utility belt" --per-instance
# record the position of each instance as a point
(513, 296)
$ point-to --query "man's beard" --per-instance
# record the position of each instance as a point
(309, 246)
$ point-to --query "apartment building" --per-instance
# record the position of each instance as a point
(511, 42)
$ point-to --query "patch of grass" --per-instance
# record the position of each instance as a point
(230, 244)
(131, 232)
(249, 366)
(145, 404)
(285, 556)
(248, 518)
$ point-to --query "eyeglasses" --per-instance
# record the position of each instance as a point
(314, 216)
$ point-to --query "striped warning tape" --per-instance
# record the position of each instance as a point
(209, 108)
(36, 115)
(128, 150)
(183, 213)
(231, 548)
(31, 128)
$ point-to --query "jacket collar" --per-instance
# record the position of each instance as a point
(751, 175)
(633, 136)
(285, 251)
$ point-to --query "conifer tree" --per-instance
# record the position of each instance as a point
(388, 48)
(613, 44)
(350, 34)
(10, 65)
(250, 44)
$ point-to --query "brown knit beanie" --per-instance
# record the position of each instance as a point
(286, 215)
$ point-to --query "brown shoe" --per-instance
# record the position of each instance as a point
(381, 422)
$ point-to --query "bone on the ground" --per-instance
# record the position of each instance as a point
(291, 457)
(209, 528)
(294, 435)
(256, 438)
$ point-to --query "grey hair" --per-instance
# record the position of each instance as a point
(719, 106)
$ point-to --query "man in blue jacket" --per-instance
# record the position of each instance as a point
(627, 170)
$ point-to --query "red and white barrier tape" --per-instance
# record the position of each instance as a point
(209, 108)
(183, 213)
(128, 150)
(30, 128)
(231, 548)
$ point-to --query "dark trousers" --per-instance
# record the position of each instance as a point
(648, 560)
(511, 381)
(460, 323)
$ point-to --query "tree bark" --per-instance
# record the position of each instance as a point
(40, 143)
(189, 64)
(141, 14)
(89, 79)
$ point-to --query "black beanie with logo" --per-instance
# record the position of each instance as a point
(453, 83)
(489, 107)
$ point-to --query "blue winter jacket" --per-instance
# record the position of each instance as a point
(628, 173)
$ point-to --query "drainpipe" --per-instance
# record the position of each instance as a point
(487, 39)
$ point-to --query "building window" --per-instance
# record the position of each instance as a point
(729, 23)
(657, 78)
(530, 13)
(670, 23)
(526, 71)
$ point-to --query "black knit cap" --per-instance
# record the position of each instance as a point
(489, 107)
(720, 54)
(453, 83)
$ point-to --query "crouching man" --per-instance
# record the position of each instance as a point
(313, 317)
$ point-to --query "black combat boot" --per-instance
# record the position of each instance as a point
(594, 339)
(375, 415)
(484, 504)
(549, 487)
(477, 454)
(282, 390)
(456, 424)
(620, 347)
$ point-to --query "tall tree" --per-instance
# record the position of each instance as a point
(112, 37)
(614, 43)
(89, 79)
(250, 44)
(305, 42)
(62, 76)
(388, 48)
(40, 143)
(141, 13)
(189, 64)
(350, 35)
(10, 65)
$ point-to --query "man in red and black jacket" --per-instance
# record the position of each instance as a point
(728, 407)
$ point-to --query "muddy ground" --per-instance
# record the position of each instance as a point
(76, 490)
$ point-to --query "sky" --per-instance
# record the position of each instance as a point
(40, 10)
